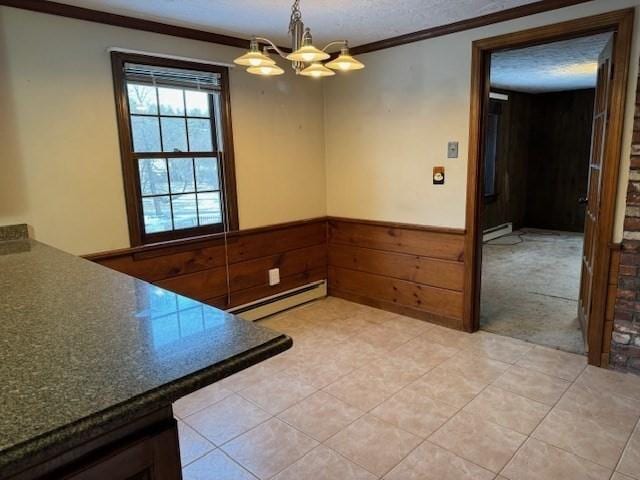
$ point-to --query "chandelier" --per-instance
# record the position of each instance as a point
(304, 57)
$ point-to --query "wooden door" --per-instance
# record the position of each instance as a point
(594, 190)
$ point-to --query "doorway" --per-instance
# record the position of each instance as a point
(602, 174)
(537, 151)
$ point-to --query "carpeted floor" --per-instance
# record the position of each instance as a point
(530, 282)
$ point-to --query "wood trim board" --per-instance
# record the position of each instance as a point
(187, 244)
(426, 243)
(90, 15)
(404, 226)
(435, 272)
(212, 283)
(468, 24)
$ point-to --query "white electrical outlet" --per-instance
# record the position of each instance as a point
(274, 277)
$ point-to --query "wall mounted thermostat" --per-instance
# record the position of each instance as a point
(438, 175)
(452, 150)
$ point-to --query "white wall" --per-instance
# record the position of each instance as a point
(386, 127)
(376, 133)
(60, 163)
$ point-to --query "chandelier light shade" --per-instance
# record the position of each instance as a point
(305, 58)
(307, 54)
(345, 62)
(317, 70)
(267, 70)
(254, 59)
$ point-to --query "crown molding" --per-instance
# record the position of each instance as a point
(468, 24)
(90, 15)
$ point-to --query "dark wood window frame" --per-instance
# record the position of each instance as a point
(133, 195)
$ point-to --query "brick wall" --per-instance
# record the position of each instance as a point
(625, 339)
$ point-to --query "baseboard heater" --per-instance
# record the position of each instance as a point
(281, 301)
(497, 232)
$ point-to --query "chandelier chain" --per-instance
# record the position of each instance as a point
(296, 14)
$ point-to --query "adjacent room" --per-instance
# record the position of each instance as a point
(323, 240)
(536, 179)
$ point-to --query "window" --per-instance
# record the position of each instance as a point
(491, 149)
(176, 147)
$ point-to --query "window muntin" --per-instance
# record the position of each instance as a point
(175, 122)
(175, 190)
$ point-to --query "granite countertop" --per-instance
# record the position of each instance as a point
(83, 347)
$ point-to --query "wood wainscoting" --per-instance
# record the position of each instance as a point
(414, 270)
(196, 268)
(409, 269)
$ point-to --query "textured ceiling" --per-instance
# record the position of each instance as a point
(553, 67)
(361, 21)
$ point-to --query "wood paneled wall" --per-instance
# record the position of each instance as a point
(542, 161)
(408, 269)
(560, 149)
(197, 269)
(512, 156)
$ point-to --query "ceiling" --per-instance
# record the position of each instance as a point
(361, 21)
(553, 67)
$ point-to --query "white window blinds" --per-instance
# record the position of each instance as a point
(187, 79)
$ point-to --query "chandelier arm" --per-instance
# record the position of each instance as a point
(271, 45)
(344, 43)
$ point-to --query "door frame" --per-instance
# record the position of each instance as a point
(620, 22)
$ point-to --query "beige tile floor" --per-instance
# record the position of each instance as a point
(365, 394)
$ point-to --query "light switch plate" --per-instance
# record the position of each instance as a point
(274, 277)
(452, 150)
